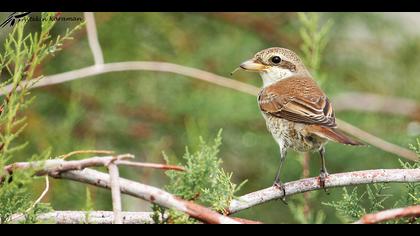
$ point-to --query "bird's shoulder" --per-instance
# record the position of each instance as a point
(301, 86)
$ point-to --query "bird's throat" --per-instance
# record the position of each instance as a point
(271, 76)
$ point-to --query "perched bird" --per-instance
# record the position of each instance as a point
(297, 112)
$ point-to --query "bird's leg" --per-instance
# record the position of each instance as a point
(277, 183)
(323, 174)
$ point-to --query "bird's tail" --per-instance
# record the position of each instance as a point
(333, 135)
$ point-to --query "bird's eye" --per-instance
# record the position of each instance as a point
(276, 59)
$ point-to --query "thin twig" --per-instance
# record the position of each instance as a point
(47, 187)
(65, 156)
(115, 192)
(60, 165)
(207, 77)
(143, 66)
(150, 165)
(377, 142)
(246, 221)
(391, 214)
(93, 38)
(370, 102)
(332, 181)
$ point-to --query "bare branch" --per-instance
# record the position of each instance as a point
(392, 214)
(160, 197)
(93, 38)
(246, 221)
(103, 217)
(144, 66)
(332, 181)
(207, 77)
(148, 193)
(47, 187)
(68, 170)
(60, 165)
(377, 103)
(377, 142)
(115, 191)
(91, 217)
(151, 165)
(65, 156)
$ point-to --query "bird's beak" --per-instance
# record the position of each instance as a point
(250, 65)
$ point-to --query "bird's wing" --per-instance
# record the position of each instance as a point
(297, 99)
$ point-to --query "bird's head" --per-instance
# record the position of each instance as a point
(275, 64)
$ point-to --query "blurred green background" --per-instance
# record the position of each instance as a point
(145, 113)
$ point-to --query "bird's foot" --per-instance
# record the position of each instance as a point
(322, 177)
(280, 186)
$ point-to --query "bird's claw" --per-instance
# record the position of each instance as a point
(280, 186)
(322, 177)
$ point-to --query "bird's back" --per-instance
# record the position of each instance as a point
(298, 99)
(299, 114)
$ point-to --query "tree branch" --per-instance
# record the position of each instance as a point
(102, 217)
(148, 193)
(206, 215)
(69, 170)
(143, 66)
(65, 156)
(91, 217)
(332, 181)
(392, 214)
(377, 142)
(60, 165)
(92, 34)
(207, 77)
(377, 103)
(115, 191)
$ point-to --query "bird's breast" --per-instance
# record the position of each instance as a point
(291, 135)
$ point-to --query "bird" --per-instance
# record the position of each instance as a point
(297, 112)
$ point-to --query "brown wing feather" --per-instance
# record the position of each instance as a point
(297, 99)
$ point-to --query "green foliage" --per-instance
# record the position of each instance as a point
(16, 198)
(88, 204)
(31, 216)
(416, 148)
(412, 190)
(315, 39)
(300, 210)
(203, 181)
(22, 53)
(353, 205)
(350, 207)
